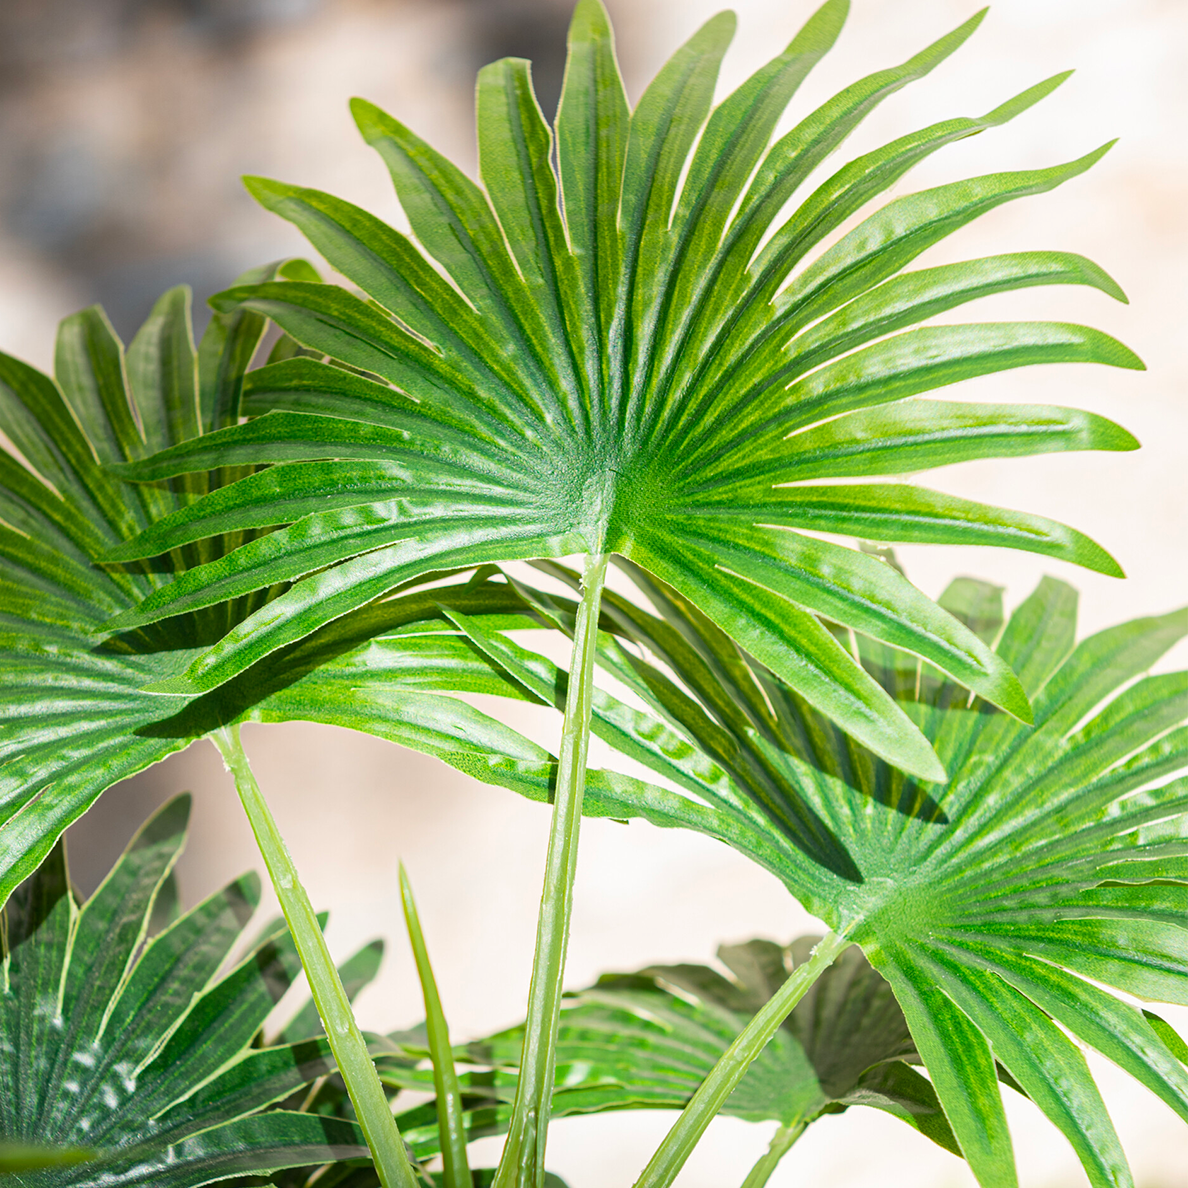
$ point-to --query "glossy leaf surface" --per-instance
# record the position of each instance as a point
(647, 1040)
(75, 716)
(136, 1042)
(613, 345)
(1003, 908)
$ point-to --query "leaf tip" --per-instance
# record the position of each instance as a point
(181, 685)
(1090, 555)
(974, 21)
(1009, 694)
(127, 620)
(912, 753)
(930, 768)
(127, 550)
(1118, 354)
(265, 191)
(368, 118)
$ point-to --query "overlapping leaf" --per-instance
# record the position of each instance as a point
(647, 1040)
(75, 715)
(629, 353)
(74, 718)
(1003, 908)
(121, 1037)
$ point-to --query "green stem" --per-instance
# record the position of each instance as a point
(781, 1141)
(451, 1122)
(712, 1093)
(522, 1163)
(346, 1040)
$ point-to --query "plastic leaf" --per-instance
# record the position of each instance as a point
(1004, 908)
(589, 351)
(646, 1040)
(106, 1029)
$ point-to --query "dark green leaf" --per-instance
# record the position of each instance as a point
(103, 1040)
(646, 1040)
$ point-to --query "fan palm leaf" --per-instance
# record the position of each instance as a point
(126, 1047)
(76, 714)
(646, 1040)
(1006, 908)
(630, 353)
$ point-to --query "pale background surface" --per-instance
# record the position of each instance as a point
(122, 133)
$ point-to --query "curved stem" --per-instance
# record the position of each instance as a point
(522, 1163)
(712, 1093)
(346, 1040)
(781, 1141)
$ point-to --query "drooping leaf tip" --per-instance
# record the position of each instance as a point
(1122, 356)
(1090, 555)
(915, 757)
(1108, 350)
(266, 191)
(1010, 696)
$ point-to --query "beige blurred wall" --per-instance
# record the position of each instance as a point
(180, 118)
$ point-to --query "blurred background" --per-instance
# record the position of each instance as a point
(124, 127)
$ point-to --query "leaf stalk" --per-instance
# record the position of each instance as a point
(451, 1122)
(711, 1095)
(522, 1162)
(781, 1144)
(345, 1038)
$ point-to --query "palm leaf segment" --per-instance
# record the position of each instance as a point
(113, 1010)
(75, 715)
(630, 354)
(1005, 907)
(74, 718)
(646, 1040)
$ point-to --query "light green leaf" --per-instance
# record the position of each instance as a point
(1007, 906)
(604, 349)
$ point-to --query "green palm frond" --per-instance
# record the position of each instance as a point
(1004, 908)
(646, 1040)
(122, 1040)
(616, 345)
(75, 716)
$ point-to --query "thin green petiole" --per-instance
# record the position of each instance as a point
(712, 1093)
(346, 1041)
(522, 1163)
(450, 1122)
(781, 1143)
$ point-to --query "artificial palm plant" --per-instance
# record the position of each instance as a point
(615, 346)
